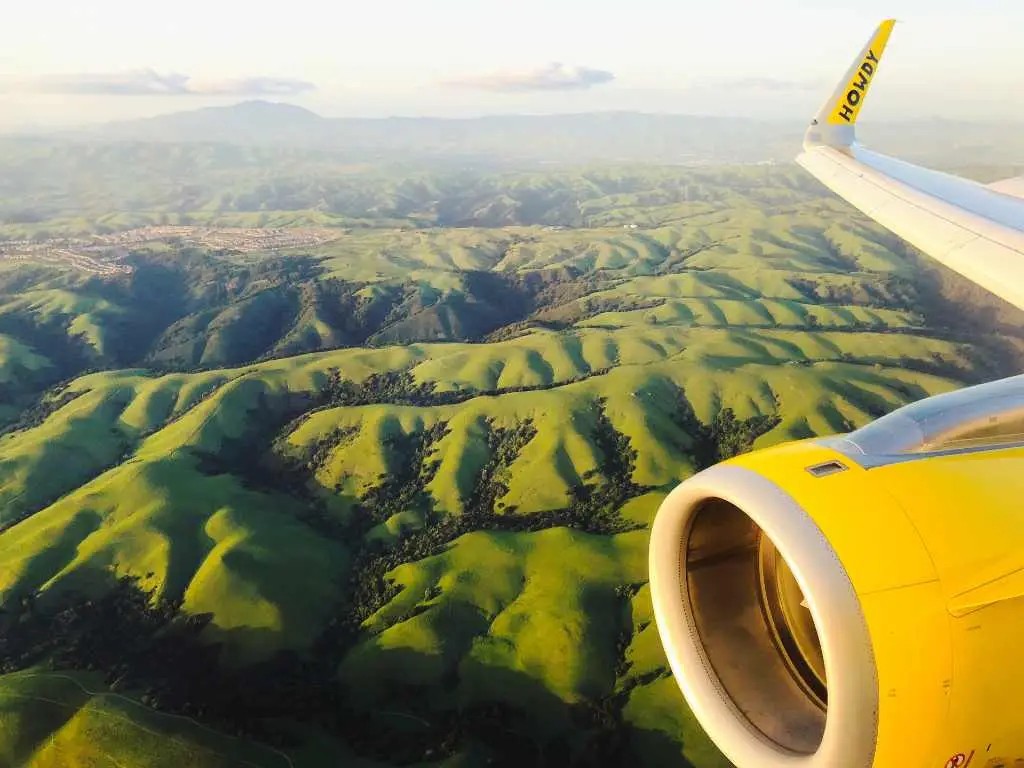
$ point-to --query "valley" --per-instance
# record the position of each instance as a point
(369, 482)
(103, 254)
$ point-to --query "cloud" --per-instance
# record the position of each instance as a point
(553, 77)
(147, 82)
(251, 86)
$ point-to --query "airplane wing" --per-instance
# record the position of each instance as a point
(1013, 187)
(827, 603)
(974, 229)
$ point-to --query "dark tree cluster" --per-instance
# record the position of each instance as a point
(889, 294)
(726, 436)
(404, 487)
(41, 410)
(320, 451)
(138, 641)
(595, 507)
(400, 388)
(391, 387)
(732, 436)
(504, 444)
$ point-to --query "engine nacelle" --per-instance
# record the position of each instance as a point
(856, 602)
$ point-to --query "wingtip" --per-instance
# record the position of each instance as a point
(835, 123)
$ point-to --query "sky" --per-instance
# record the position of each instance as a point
(70, 63)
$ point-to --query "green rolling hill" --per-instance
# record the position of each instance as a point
(384, 501)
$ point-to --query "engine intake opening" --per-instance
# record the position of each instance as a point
(790, 621)
(755, 627)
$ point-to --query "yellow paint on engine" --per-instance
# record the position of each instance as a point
(969, 510)
(935, 550)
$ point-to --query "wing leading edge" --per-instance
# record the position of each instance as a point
(975, 230)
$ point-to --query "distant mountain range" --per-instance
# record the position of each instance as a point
(260, 122)
(571, 138)
(593, 136)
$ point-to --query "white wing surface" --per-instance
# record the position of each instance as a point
(974, 229)
(1013, 187)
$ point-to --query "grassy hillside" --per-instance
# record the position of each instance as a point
(733, 248)
(56, 719)
(386, 501)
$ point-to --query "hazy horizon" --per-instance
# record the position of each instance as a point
(64, 65)
(42, 128)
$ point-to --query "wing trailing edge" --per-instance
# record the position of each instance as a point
(975, 230)
(1013, 187)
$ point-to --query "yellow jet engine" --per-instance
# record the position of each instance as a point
(856, 601)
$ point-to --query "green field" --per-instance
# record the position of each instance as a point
(386, 501)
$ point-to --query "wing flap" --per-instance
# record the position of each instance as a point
(1013, 187)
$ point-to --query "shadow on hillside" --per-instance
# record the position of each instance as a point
(504, 715)
(488, 715)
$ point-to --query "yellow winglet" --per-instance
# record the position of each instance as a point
(849, 100)
(834, 124)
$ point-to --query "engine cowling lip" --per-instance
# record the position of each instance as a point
(851, 728)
